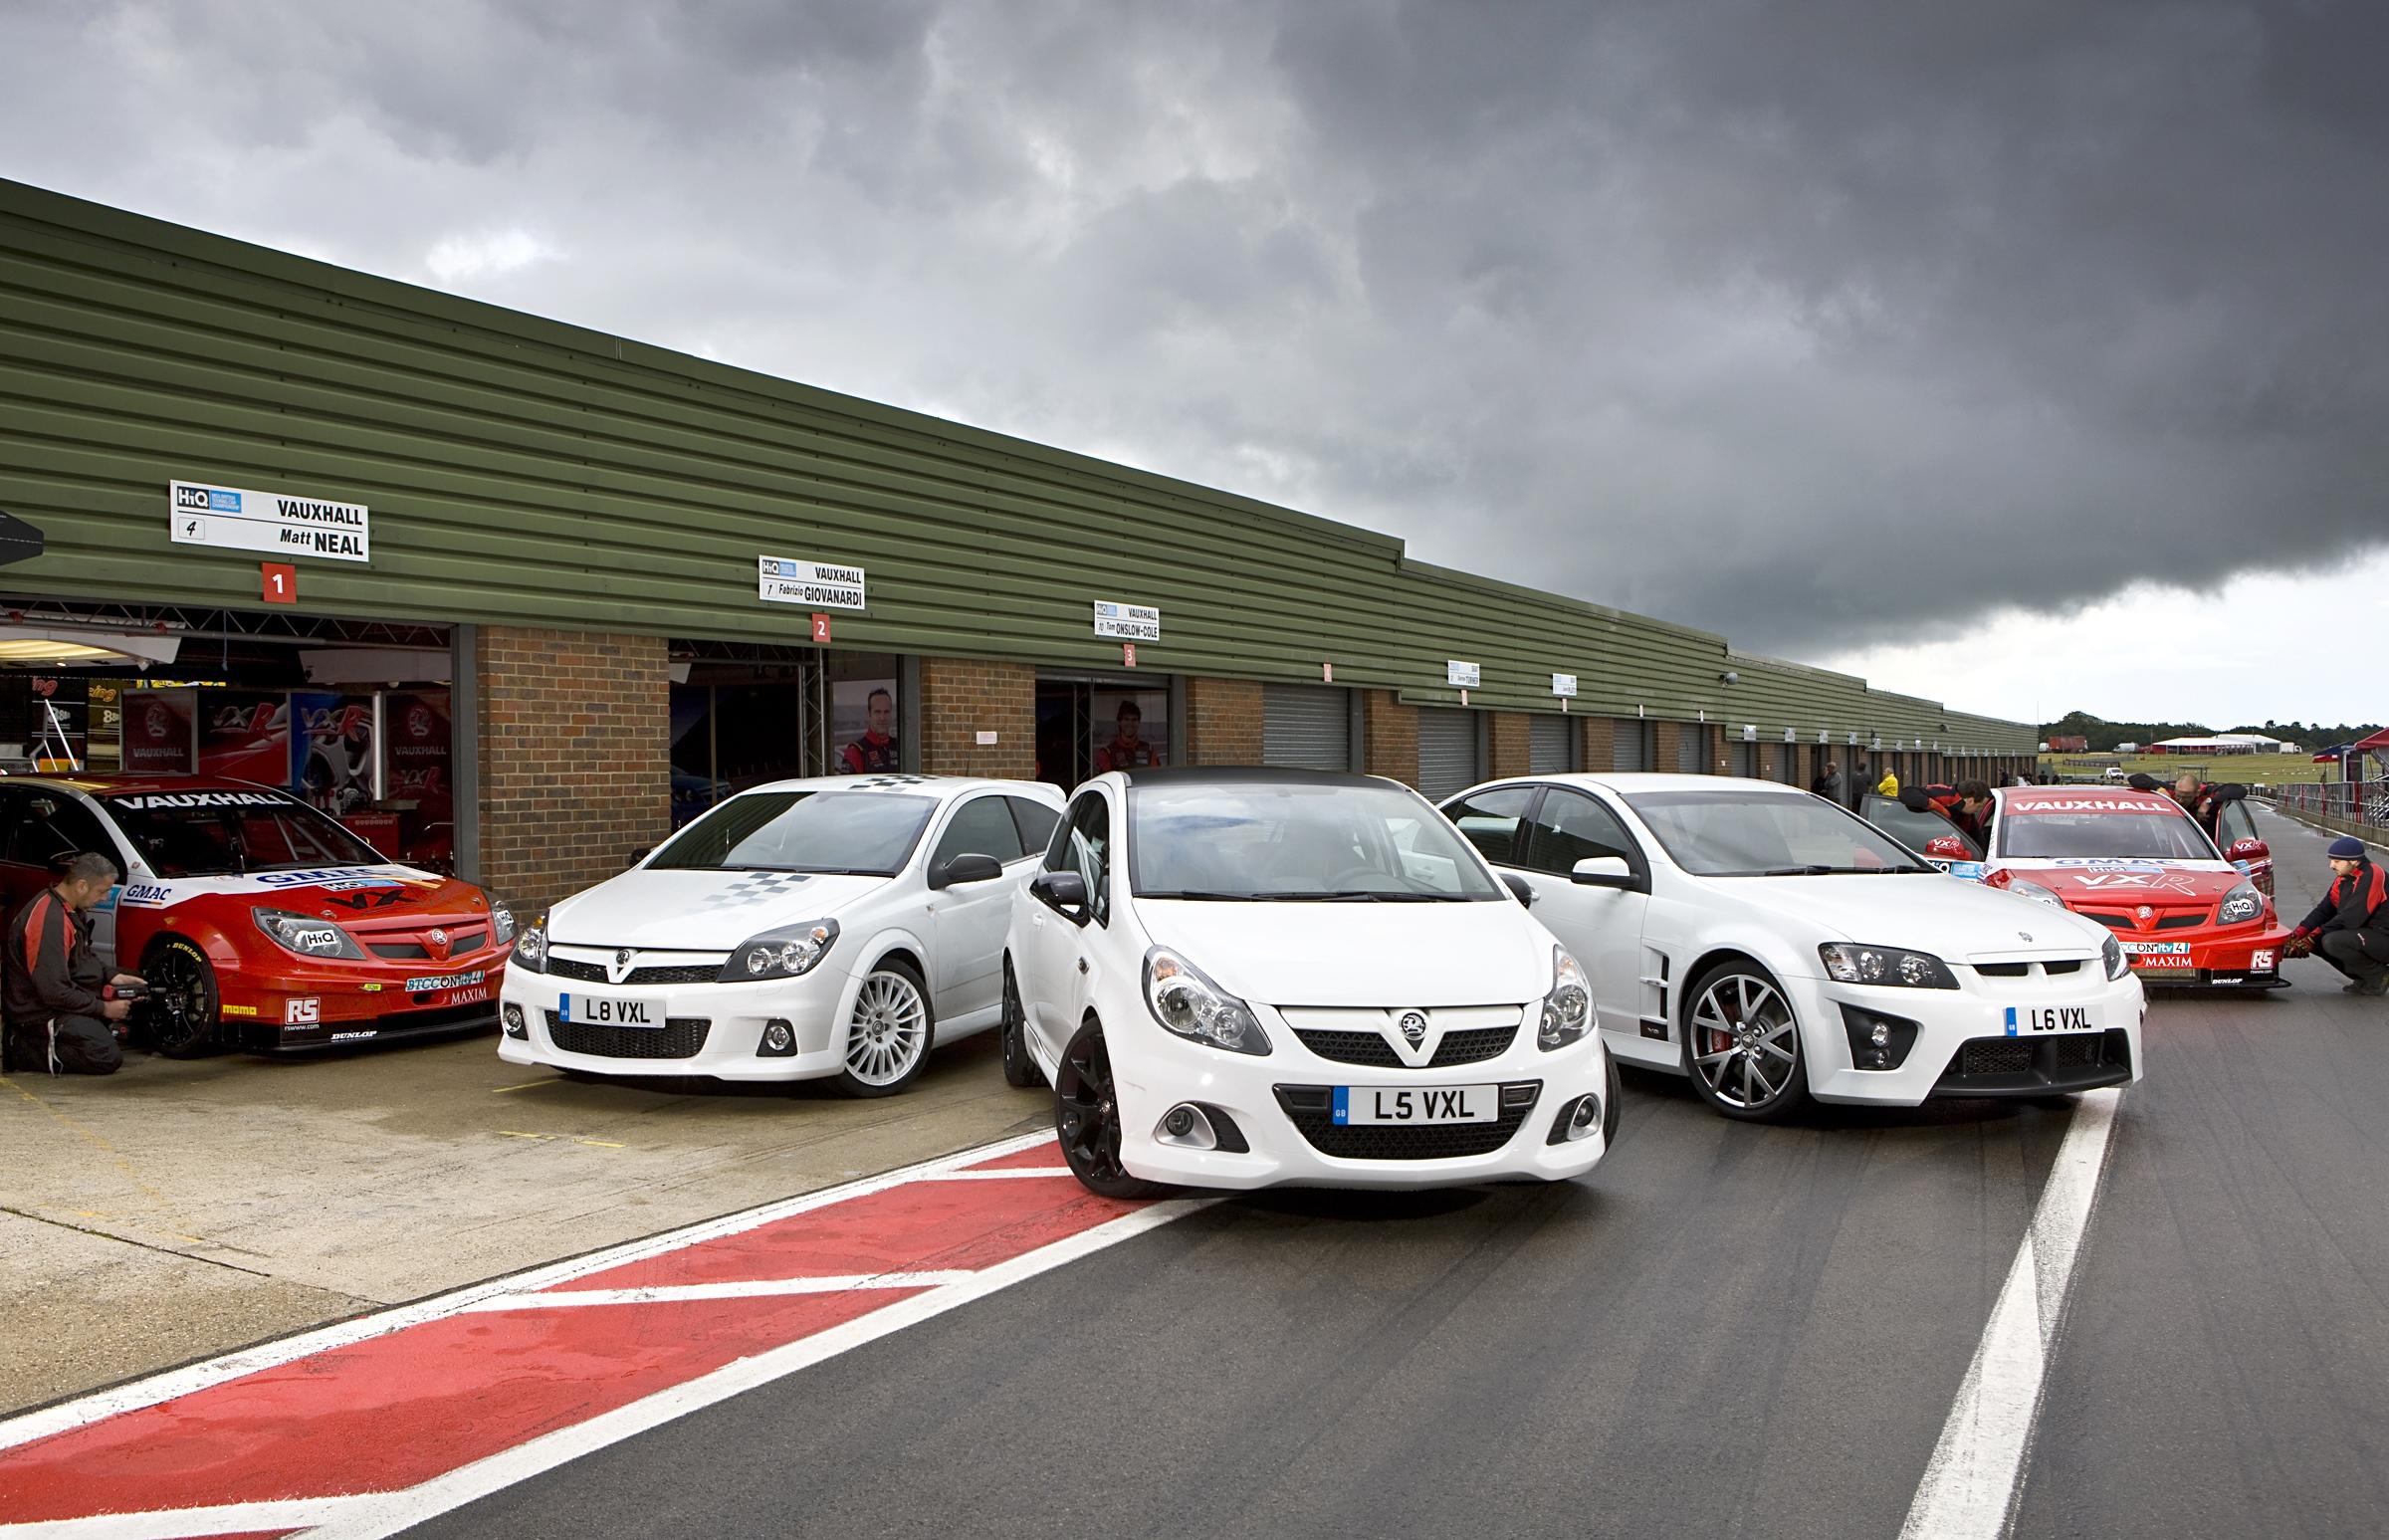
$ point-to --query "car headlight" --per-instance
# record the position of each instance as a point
(2241, 903)
(1849, 963)
(787, 953)
(1188, 1004)
(306, 934)
(2035, 892)
(502, 922)
(531, 948)
(2110, 952)
(1568, 1008)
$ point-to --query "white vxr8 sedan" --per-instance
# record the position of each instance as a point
(1241, 977)
(1774, 947)
(833, 928)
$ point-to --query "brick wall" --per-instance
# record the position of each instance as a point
(1596, 743)
(1224, 721)
(1388, 737)
(961, 698)
(1770, 760)
(1509, 742)
(574, 748)
(1667, 741)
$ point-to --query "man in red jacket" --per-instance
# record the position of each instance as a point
(52, 1004)
(2350, 927)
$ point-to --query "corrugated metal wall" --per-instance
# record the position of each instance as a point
(523, 470)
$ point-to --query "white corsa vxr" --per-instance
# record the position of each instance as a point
(1774, 946)
(836, 926)
(1241, 977)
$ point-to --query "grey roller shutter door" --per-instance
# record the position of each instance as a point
(1447, 750)
(1631, 754)
(1306, 727)
(1742, 759)
(1786, 764)
(1547, 746)
(1690, 745)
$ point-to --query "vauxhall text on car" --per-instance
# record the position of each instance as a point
(1773, 947)
(831, 928)
(1241, 977)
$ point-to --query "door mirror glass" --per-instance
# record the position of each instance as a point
(634, 857)
(2250, 851)
(1063, 892)
(1601, 871)
(970, 866)
(1520, 889)
(1947, 847)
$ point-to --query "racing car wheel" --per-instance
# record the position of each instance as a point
(180, 1014)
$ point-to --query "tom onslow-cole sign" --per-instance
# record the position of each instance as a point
(274, 524)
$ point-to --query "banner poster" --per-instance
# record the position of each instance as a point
(161, 731)
(246, 735)
(332, 751)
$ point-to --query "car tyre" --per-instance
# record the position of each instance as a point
(183, 1020)
(1742, 1044)
(1019, 1065)
(889, 1034)
(1086, 1118)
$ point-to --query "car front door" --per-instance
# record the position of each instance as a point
(966, 918)
(1056, 989)
(2235, 823)
(1601, 928)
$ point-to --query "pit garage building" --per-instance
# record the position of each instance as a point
(515, 597)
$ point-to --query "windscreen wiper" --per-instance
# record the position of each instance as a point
(1805, 872)
(1362, 896)
(1205, 896)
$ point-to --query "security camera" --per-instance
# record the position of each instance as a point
(1730, 677)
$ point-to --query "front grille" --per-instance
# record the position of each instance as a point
(460, 944)
(2003, 970)
(1996, 1057)
(594, 972)
(2113, 922)
(2064, 966)
(680, 1037)
(2077, 1051)
(1311, 1108)
(2038, 1065)
(1472, 1045)
(2180, 922)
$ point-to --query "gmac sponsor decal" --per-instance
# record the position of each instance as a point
(147, 894)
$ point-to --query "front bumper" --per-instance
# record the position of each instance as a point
(303, 1004)
(1940, 1024)
(1279, 1106)
(2251, 960)
(711, 1030)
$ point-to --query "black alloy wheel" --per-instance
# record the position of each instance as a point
(1019, 1065)
(183, 1009)
(1086, 1115)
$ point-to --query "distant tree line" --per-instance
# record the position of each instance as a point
(2105, 734)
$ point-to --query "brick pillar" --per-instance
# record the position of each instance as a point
(1388, 737)
(961, 698)
(575, 743)
(1770, 760)
(1597, 745)
(1224, 721)
(1508, 739)
(1668, 745)
(1713, 735)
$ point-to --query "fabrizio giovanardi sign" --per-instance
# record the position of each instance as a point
(274, 524)
(814, 584)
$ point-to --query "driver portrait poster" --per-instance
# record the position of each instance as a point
(331, 749)
(161, 731)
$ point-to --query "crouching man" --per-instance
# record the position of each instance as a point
(2349, 929)
(51, 1005)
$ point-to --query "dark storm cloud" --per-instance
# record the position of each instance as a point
(1816, 322)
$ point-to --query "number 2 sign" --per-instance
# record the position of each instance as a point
(280, 581)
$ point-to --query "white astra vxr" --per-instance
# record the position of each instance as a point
(1774, 947)
(1242, 978)
(831, 928)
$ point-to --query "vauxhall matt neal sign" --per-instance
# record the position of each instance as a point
(273, 523)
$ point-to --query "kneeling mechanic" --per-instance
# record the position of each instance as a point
(54, 992)
(2349, 929)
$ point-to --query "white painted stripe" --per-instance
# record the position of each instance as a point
(756, 1288)
(85, 1409)
(1977, 1471)
(238, 1518)
(998, 1176)
(374, 1517)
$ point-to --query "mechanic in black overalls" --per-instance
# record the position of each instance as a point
(2201, 799)
(57, 1016)
(2349, 929)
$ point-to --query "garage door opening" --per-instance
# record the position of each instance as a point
(1447, 750)
(1306, 727)
(1087, 726)
(744, 715)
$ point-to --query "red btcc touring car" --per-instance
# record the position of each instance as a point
(258, 922)
(2135, 862)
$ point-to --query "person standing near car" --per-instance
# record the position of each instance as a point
(1967, 805)
(1861, 780)
(1827, 785)
(2349, 929)
(2201, 799)
(52, 986)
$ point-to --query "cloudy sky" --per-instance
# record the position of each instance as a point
(2031, 356)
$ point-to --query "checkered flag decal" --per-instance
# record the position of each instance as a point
(754, 885)
(882, 783)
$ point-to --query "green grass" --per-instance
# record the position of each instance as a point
(2276, 770)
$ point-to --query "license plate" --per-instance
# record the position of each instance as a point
(607, 1011)
(1418, 1104)
(2023, 1020)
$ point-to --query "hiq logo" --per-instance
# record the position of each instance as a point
(206, 498)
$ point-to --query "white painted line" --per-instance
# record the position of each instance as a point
(239, 1518)
(83, 1411)
(371, 1518)
(757, 1288)
(998, 1176)
(1976, 1474)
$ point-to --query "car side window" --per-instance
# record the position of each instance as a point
(2237, 824)
(54, 826)
(1036, 821)
(980, 826)
(1495, 822)
(1084, 845)
(1570, 828)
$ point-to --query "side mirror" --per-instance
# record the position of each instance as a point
(636, 856)
(1605, 871)
(969, 866)
(1063, 892)
(2249, 850)
(1520, 889)
(1947, 847)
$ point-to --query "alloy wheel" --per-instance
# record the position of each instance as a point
(1745, 1044)
(889, 1030)
(1089, 1121)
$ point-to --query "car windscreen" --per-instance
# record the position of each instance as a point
(1912, 829)
(1291, 842)
(225, 833)
(1732, 832)
(2054, 832)
(857, 833)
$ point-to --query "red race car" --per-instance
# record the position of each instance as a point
(2134, 861)
(257, 922)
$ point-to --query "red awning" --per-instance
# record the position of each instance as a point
(2378, 743)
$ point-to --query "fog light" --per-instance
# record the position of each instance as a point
(1877, 1040)
(1579, 1119)
(779, 1040)
(1588, 1113)
(512, 1018)
(1180, 1121)
(1881, 1035)
(1187, 1127)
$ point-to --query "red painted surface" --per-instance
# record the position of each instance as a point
(1037, 1157)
